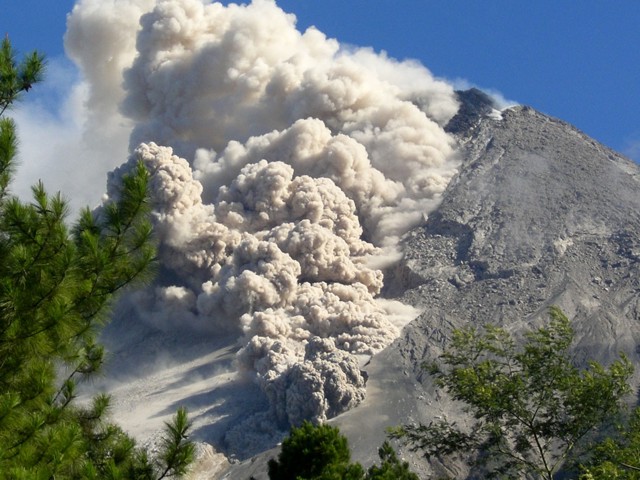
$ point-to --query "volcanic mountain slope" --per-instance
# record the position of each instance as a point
(539, 215)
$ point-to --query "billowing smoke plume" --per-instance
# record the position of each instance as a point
(290, 168)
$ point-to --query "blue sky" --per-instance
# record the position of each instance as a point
(578, 61)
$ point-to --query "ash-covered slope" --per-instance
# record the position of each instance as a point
(539, 215)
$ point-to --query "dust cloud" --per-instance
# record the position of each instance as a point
(284, 170)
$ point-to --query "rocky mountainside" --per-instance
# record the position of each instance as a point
(539, 215)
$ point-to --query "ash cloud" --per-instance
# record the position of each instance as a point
(284, 168)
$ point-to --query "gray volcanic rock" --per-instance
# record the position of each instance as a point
(474, 105)
(539, 215)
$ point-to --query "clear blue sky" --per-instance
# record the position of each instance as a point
(579, 61)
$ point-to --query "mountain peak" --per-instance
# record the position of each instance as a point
(474, 105)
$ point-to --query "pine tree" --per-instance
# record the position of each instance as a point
(56, 286)
(391, 467)
(321, 452)
(314, 452)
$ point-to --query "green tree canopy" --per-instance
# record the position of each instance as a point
(16, 76)
(529, 405)
(391, 467)
(314, 452)
(321, 452)
(56, 286)
(618, 456)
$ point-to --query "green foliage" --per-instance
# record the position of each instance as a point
(617, 457)
(391, 467)
(314, 452)
(320, 452)
(56, 286)
(17, 77)
(530, 406)
(177, 451)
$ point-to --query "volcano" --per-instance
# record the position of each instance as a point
(326, 216)
(538, 215)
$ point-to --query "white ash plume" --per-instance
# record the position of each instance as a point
(282, 285)
(297, 166)
(387, 204)
(206, 74)
(325, 383)
(100, 39)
